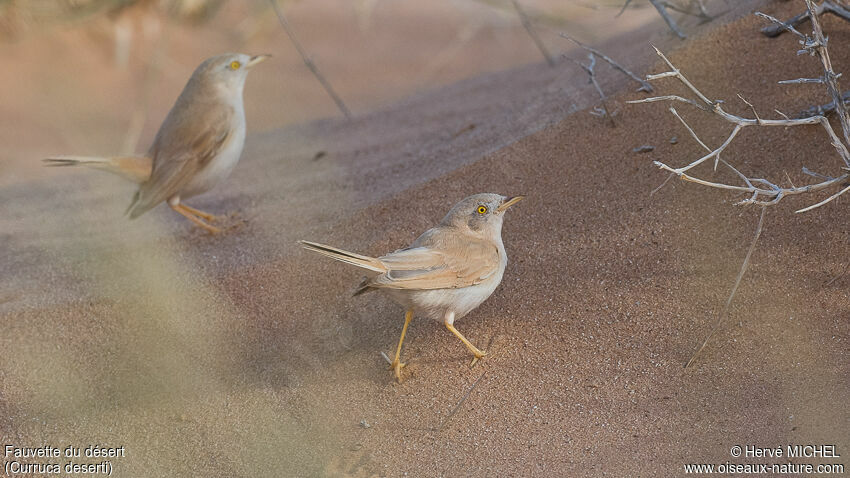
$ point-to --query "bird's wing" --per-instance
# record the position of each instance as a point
(182, 147)
(462, 262)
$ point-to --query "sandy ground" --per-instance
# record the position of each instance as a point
(242, 355)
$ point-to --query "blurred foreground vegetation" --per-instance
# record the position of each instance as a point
(20, 16)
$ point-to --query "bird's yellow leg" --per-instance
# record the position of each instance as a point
(397, 365)
(478, 353)
(203, 215)
(183, 211)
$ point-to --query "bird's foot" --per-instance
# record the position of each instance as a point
(396, 366)
(480, 355)
(211, 229)
(201, 214)
(195, 216)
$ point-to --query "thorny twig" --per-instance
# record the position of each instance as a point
(625, 6)
(725, 310)
(829, 282)
(761, 191)
(827, 6)
(589, 68)
(817, 47)
(662, 10)
(644, 85)
(662, 6)
(824, 110)
(661, 186)
(701, 11)
(459, 403)
(526, 23)
(593, 53)
(309, 62)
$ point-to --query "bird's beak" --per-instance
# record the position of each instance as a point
(509, 202)
(256, 60)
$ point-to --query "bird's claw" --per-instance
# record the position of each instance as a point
(476, 359)
(397, 366)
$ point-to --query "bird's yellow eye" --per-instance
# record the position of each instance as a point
(482, 209)
(234, 65)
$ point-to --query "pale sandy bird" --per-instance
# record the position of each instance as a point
(197, 146)
(446, 273)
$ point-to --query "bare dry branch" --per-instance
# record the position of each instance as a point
(725, 310)
(782, 26)
(644, 85)
(699, 12)
(800, 81)
(813, 206)
(661, 186)
(827, 6)
(662, 10)
(459, 403)
(760, 191)
(818, 48)
(309, 62)
(824, 110)
(815, 174)
(604, 111)
(589, 69)
(702, 9)
(526, 23)
(694, 8)
(752, 108)
(625, 6)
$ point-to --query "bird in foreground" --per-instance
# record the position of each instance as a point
(446, 273)
(197, 145)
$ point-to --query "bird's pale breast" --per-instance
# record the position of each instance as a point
(222, 164)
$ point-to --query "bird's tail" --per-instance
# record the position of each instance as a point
(133, 168)
(364, 262)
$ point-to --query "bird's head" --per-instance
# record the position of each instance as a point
(482, 214)
(227, 71)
